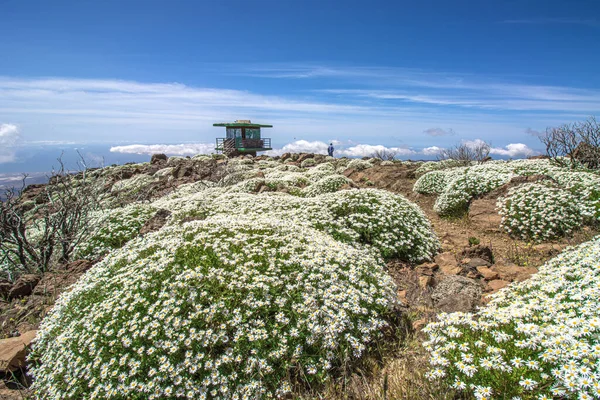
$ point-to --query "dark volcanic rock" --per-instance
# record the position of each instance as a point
(156, 222)
(158, 159)
(24, 286)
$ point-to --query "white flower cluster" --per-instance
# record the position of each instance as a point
(585, 186)
(359, 165)
(129, 188)
(539, 339)
(539, 212)
(328, 184)
(224, 308)
(464, 185)
(113, 228)
(433, 182)
(388, 222)
(309, 162)
(461, 184)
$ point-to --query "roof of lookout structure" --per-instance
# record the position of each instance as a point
(246, 123)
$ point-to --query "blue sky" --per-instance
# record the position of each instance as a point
(407, 75)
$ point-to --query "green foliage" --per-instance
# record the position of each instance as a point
(537, 212)
(226, 308)
(473, 241)
(113, 228)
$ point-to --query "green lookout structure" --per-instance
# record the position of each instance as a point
(242, 137)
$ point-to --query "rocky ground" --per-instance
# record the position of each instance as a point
(476, 259)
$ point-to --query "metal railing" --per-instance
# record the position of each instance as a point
(225, 144)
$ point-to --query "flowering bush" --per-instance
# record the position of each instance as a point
(222, 308)
(174, 161)
(328, 184)
(251, 185)
(538, 339)
(359, 165)
(114, 228)
(585, 186)
(277, 178)
(385, 221)
(538, 212)
(133, 185)
(432, 182)
(457, 186)
(389, 222)
(463, 186)
(320, 171)
(309, 162)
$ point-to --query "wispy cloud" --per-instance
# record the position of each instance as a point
(187, 149)
(387, 105)
(547, 21)
(439, 132)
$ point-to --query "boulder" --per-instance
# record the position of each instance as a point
(426, 269)
(182, 169)
(79, 266)
(158, 158)
(457, 293)
(425, 281)
(477, 262)
(286, 156)
(487, 273)
(5, 286)
(497, 284)
(478, 251)
(447, 263)
(13, 394)
(14, 350)
(304, 156)
(23, 286)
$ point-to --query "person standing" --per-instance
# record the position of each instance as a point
(330, 150)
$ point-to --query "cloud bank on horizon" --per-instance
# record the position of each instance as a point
(513, 150)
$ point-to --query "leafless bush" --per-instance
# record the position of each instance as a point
(578, 142)
(31, 238)
(385, 154)
(466, 152)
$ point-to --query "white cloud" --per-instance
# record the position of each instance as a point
(301, 146)
(316, 147)
(432, 151)
(438, 132)
(367, 150)
(188, 149)
(9, 136)
(513, 150)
